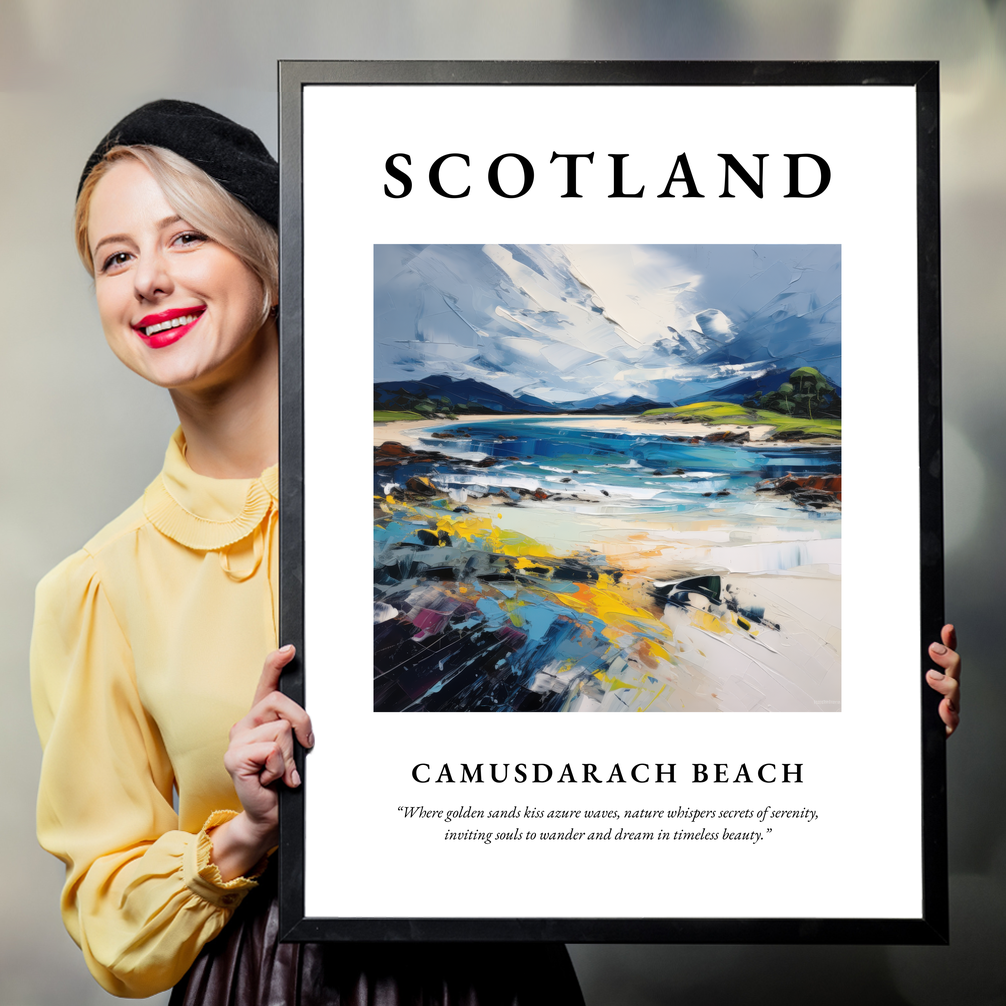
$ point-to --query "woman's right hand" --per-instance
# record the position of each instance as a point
(260, 753)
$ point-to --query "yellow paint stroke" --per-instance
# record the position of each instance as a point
(510, 606)
(481, 531)
(605, 600)
(611, 680)
(642, 638)
(642, 709)
(566, 665)
(708, 621)
(649, 654)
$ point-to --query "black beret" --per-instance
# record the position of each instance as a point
(231, 154)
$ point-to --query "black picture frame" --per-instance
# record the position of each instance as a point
(931, 927)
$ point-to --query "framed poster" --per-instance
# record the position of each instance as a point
(612, 389)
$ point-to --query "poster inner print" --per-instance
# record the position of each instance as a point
(607, 478)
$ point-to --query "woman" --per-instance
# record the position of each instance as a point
(148, 643)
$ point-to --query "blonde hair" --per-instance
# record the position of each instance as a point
(199, 200)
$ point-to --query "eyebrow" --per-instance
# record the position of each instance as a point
(111, 238)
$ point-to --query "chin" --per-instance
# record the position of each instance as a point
(191, 364)
(170, 374)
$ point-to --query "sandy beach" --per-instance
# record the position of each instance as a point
(768, 639)
(405, 431)
(655, 545)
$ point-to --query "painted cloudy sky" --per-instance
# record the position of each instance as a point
(569, 323)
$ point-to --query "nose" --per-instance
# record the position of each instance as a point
(152, 276)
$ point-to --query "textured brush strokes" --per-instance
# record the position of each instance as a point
(541, 544)
(605, 322)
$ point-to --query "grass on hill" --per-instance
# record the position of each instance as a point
(738, 415)
(382, 416)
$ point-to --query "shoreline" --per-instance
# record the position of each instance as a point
(630, 423)
(619, 610)
(654, 548)
(633, 538)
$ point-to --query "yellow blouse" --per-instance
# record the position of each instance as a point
(147, 647)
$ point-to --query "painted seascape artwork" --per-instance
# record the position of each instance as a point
(607, 478)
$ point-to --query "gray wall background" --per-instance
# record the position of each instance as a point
(82, 436)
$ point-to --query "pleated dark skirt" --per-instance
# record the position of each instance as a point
(246, 965)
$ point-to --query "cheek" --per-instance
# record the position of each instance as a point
(223, 279)
(113, 313)
(246, 300)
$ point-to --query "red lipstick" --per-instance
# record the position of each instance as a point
(166, 327)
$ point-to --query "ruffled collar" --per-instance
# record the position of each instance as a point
(203, 513)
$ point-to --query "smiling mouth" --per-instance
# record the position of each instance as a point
(185, 319)
(166, 324)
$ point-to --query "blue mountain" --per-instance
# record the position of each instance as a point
(747, 387)
(404, 394)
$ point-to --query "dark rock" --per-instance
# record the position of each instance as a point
(420, 488)
(726, 437)
(813, 497)
(392, 453)
(793, 436)
(806, 490)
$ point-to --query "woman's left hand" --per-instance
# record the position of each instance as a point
(260, 754)
(948, 681)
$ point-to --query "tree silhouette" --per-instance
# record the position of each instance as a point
(811, 388)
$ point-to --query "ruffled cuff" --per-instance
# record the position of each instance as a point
(203, 878)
